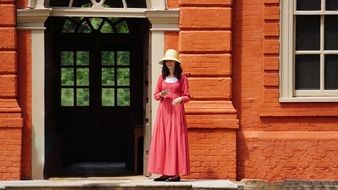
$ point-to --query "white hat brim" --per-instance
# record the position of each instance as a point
(169, 58)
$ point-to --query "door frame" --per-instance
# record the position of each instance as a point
(33, 20)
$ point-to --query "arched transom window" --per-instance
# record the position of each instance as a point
(94, 25)
(99, 3)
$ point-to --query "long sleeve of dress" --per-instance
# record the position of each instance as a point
(185, 95)
(158, 88)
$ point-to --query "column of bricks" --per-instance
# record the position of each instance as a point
(205, 49)
(10, 112)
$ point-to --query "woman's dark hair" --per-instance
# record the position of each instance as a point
(177, 70)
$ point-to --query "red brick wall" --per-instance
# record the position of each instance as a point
(10, 112)
(205, 46)
(276, 140)
(25, 98)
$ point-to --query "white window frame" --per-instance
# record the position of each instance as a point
(287, 56)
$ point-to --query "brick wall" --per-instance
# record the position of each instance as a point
(205, 46)
(25, 98)
(10, 112)
(276, 140)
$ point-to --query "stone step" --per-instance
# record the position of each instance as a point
(117, 184)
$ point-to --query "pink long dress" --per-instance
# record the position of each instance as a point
(169, 154)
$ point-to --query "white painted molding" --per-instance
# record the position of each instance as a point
(161, 20)
(32, 18)
(38, 104)
(164, 20)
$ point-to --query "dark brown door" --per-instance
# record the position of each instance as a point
(94, 97)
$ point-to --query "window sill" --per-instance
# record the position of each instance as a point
(308, 99)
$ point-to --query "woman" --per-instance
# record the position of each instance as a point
(169, 155)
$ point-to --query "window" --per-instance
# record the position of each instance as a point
(309, 50)
(101, 3)
(94, 24)
(75, 76)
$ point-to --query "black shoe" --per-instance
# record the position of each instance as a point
(162, 178)
(175, 178)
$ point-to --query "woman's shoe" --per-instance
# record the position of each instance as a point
(162, 178)
(174, 178)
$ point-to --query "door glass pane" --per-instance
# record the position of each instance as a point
(123, 58)
(67, 76)
(308, 5)
(68, 26)
(67, 58)
(108, 57)
(82, 58)
(95, 22)
(84, 28)
(107, 76)
(331, 72)
(122, 27)
(107, 28)
(331, 5)
(82, 97)
(331, 32)
(123, 77)
(123, 97)
(108, 97)
(307, 72)
(307, 32)
(82, 76)
(67, 97)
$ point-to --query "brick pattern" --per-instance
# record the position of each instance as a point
(275, 141)
(277, 158)
(213, 153)
(25, 98)
(10, 112)
(205, 46)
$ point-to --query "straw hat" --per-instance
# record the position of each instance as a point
(170, 54)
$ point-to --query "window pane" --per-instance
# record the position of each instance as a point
(82, 76)
(108, 76)
(331, 32)
(113, 3)
(331, 72)
(84, 28)
(67, 76)
(68, 27)
(108, 57)
(331, 5)
(122, 27)
(81, 3)
(137, 3)
(67, 97)
(123, 77)
(123, 97)
(308, 5)
(95, 22)
(307, 32)
(108, 97)
(307, 72)
(67, 58)
(82, 58)
(123, 58)
(82, 97)
(107, 28)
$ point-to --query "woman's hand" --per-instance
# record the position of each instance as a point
(176, 101)
(163, 93)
